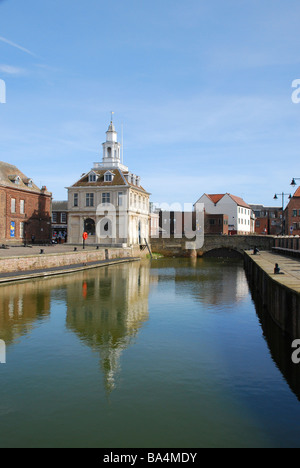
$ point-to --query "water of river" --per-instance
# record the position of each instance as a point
(169, 354)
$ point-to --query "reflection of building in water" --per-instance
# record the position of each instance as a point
(242, 287)
(107, 310)
(228, 285)
(105, 307)
(21, 305)
(219, 283)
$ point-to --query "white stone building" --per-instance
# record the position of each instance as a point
(240, 215)
(108, 202)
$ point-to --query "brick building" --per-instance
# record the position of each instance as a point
(24, 208)
(216, 224)
(292, 215)
(268, 219)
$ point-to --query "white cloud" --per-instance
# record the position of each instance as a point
(11, 70)
(16, 46)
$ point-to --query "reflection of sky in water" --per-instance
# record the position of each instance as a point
(210, 284)
(182, 358)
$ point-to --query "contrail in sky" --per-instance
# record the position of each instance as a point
(17, 46)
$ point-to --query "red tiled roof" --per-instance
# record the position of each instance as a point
(216, 197)
(239, 201)
(297, 193)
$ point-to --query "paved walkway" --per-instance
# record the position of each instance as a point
(35, 250)
(289, 267)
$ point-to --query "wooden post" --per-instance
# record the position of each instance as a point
(148, 247)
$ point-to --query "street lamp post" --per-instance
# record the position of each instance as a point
(294, 183)
(276, 198)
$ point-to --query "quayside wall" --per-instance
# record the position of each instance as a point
(281, 301)
(40, 262)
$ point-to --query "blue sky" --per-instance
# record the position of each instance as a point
(203, 90)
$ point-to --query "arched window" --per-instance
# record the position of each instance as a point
(89, 227)
(109, 152)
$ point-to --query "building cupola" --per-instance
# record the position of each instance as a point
(111, 151)
(111, 148)
(111, 134)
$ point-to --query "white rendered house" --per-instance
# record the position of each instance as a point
(240, 216)
(108, 202)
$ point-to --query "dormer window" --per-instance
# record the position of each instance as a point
(15, 179)
(92, 177)
(108, 177)
(28, 182)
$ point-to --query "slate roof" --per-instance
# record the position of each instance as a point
(59, 206)
(9, 173)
